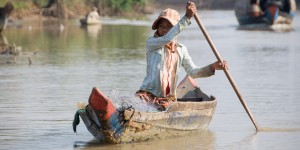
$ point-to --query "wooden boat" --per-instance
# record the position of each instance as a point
(91, 18)
(265, 13)
(191, 113)
(90, 21)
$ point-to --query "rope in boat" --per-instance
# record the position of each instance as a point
(121, 115)
(76, 120)
(91, 119)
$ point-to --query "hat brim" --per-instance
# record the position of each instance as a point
(155, 23)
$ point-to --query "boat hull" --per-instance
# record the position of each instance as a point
(90, 21)
(147, 126)
(180, 119)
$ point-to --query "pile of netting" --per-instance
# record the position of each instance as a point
(126, 100)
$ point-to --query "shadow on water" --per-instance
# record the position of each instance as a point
(271, 129)
(92, 143)
(265, 27)
(251, 140)
(204, 139)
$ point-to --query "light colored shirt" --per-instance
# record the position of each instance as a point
(169, 71)
(156, 53)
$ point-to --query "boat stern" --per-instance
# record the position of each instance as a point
(108, 116)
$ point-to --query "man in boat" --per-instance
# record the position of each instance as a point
(165, 57)
(259, 6)
(92, 17)
(256, 10)
(94, 13)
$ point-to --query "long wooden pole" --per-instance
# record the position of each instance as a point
(214, 49)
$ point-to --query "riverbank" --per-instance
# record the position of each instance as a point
(31, 10)
(201, 4)
(67, 11)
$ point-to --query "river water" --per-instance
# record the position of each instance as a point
(38, 99)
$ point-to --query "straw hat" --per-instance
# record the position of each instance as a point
(170, 14)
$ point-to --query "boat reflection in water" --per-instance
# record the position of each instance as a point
(204, 139)
(92, 30)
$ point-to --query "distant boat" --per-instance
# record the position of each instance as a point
(4, 14)
(191, 112)
(90, 21)
(265, 12)
(91, 18)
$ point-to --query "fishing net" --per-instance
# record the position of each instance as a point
(126, 100)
